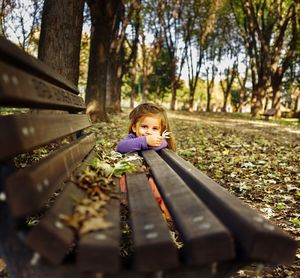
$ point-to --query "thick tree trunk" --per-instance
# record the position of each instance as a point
(59, 44)
(191, 101)
(256, 101)
(111, 93)
(102, 17)
(276, 102)
(114, 81)
(276, 81)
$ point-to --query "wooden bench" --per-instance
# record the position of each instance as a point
(268, 113)
(219, 233)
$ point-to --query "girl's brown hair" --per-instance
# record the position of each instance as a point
(151, 109)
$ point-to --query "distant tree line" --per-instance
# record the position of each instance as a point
(144, 46)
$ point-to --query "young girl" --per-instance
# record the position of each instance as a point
(147, 123)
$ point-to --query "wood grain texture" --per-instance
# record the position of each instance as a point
(25, 132)
(13, 55)
(152, 242)
(29, 188)
(257, 238)
(204, 237)
(21, 89)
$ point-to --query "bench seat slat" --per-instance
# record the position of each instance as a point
(24, 132)
(257, 238)
(20, 89)
(100, 251)
(152, 242)
(12, 54)
(29, 188)
(51, 238)
(204, 237)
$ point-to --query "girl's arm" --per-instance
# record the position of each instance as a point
(131, 143)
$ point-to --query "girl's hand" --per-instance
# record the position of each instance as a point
(154, 140)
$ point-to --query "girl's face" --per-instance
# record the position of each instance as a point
(147, 125)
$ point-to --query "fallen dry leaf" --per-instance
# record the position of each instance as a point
(94, 224)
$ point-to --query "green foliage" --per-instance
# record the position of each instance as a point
(123, 167)
(160, 79)
(295, 221)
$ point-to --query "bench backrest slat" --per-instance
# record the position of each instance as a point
(198, 227)
(257, 238)
(52, 238)
(21, 89)
(12, 54)
(25, 132)
(27, 189)
(152, 242)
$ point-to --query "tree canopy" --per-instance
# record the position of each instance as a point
(246, 51)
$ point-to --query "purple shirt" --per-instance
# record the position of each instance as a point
(132, 143)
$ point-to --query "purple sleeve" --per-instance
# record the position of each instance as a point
(131, 143)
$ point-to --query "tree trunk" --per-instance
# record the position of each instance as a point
(113, 94)
(208, 91)
(59, 45)
(115, 62)
(191, 100)
(133, 87)
(256, 101)
(224, 108)
(295, 105)
(276, 102)
(102, 18)
(173, 83)
(146, 90)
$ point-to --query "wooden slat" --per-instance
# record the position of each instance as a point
(257, 238)
(29, 188)
(152, 242)
(51, 238)
(24, 132)
(204, 236)
(21, 89)
(13, 55)
(99, 251)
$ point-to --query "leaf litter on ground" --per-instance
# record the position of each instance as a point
(257, 162)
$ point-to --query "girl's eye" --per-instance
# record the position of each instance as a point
(144, 126)
(155, 128)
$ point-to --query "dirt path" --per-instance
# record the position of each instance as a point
(274, 130)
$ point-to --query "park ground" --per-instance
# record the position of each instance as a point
(258, 161)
